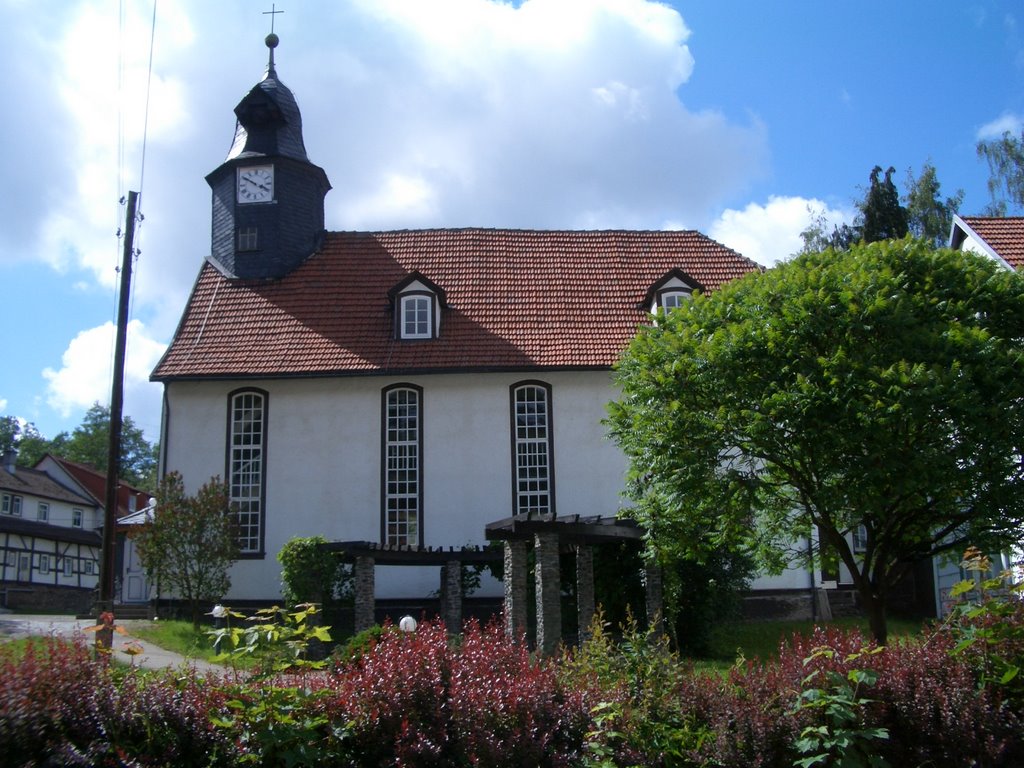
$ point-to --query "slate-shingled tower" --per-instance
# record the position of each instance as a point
(268, 199)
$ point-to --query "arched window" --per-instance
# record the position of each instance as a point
(247, 451)
(402, 467)
(532, 454)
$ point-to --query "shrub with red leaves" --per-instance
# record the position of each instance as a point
(417, 699)
(60, 707)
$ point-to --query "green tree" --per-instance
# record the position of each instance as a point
(191, 542)
(32, 446)
(882, 216)
(879, 387)
(89, 443)
(1005, 158)
(928, 215)
(10, 431)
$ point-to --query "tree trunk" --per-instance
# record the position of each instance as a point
(874, 607)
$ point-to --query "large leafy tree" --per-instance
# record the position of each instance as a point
(191, 542)
(10, 432)
(89, 443)
(928, 215)
(882, 386)
(1005, 158)
(882, 216)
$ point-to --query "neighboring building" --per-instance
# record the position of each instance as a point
(131, 584)
(49, 541)
(405, 387)
(1001, 238)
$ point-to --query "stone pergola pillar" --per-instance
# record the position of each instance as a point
(453, 596)
(364, 593)
(654, 599)
(548, 589)
(515, 588)
(585, 587)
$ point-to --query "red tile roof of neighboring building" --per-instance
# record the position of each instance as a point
(1004, 235)
(95, 483)
(516, 299)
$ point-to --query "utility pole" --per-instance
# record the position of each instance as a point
(105, 636)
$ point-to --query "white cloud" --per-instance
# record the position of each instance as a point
(770, 233)
(87, 369)
(996, 128)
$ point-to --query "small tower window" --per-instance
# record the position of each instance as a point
(248, 238)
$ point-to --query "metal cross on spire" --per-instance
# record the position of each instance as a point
(272, 39)
(272, 13)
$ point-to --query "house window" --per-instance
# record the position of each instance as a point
(248, 238)
(247, 466)
(77, 516)
(673, 299)
(11, 505)
(69, 566)
(90, 567)
(416, 320)
(532, 449)
(402, 465)
(43, 512)
(860, 538)
(44, 564)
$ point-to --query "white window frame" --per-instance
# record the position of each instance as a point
(532, 449)
(860, 539)
(247, 451)
(402, 466)
(11, 505)
(416, 316)
(77, 517)
(43, 512)
(69, 566)
(44, 564)
(90, 567)
(673, 298)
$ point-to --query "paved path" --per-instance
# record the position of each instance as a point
(152, 656)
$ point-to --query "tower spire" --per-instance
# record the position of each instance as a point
(272, 39)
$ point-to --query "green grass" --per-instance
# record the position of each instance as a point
(760, 639)
(178, 636)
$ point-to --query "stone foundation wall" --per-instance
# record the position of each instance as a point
(49, 599)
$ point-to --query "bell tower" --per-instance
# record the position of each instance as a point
(268, 199)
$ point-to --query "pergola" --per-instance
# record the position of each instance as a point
(366, 555)
(548, 534)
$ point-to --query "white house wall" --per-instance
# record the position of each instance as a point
(323, 453)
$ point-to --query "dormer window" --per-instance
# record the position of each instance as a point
(417, 304)
(670, 292)
(670, 300)
(415, 317)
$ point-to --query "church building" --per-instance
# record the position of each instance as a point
(407, 387)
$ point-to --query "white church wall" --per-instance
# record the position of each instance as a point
(323, 460)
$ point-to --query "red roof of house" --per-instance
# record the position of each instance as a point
(95, 483)
(516, 299)
(1004, 235)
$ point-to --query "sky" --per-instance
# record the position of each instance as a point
(740, 119)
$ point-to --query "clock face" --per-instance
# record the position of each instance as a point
(256, 184)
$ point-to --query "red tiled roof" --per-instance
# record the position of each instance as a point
(1004, 235)
(95, 482)
(516, 299)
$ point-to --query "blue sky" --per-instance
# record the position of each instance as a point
(736, 118)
